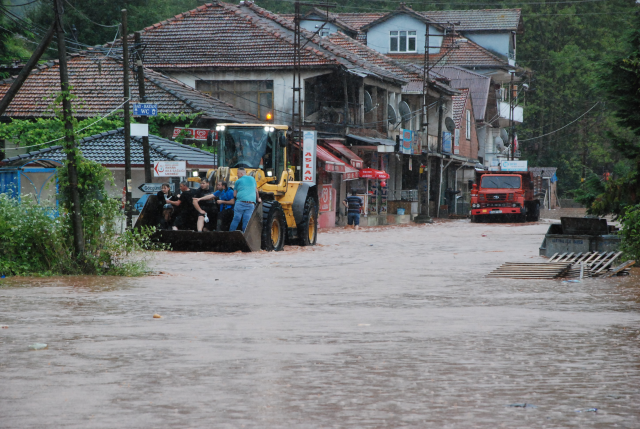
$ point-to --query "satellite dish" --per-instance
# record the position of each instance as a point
(368, 102)
(392, 116)
(405, 111)
(448, 122)
(499, 143)
(504, 135)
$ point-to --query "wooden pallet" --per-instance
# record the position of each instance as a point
(531, 270)
(590, 264)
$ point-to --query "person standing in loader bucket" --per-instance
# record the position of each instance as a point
(246, 196)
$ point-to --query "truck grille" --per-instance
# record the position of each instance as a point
(494, 198)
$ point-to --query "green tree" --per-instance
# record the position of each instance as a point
(620, 81)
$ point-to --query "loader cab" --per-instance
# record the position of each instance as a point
(254, 147)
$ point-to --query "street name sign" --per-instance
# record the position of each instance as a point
(145, 109)
(154, 188)
(170, 168)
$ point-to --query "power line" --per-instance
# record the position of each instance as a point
(563, 127)
(89, 19)
(20, 5)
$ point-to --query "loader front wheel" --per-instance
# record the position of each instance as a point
(274, 226)
(308, 229)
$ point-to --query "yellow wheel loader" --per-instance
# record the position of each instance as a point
(289, 209)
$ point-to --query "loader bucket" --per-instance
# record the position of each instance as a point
(193, 241)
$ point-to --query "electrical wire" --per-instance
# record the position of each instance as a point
(81, 129)
(23, 4)
(561, 128)
(89, 19)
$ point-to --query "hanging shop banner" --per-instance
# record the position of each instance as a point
(309, 143)
(406, 140)
(195, 133)
(446, 142)
(326, 199)
(416, 143)
(170, 168)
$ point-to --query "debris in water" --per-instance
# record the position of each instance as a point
(5, 327)
(364, 324)
(38, 346)
(523, 405)
(588, 410)
(157, 316)
(570, 281)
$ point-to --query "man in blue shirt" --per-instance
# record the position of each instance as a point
(225, 200)
(353, 203)
(246, 196)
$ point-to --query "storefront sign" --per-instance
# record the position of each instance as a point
(406, 140)
(513, 165)
(334, 167)
(326, 199)
(195, 133)
(309, 143)
(170, 169)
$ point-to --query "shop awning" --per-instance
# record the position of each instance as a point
(334, 164)
(371, 140)
(355, 160)
(370, 173)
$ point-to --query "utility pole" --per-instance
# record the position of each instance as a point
(70, 147)
(127, 120)
(143, 99)
(26, 70)
(512, 105)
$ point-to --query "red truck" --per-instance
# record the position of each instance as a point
(504, 196)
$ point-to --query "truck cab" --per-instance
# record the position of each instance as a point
(504, 196)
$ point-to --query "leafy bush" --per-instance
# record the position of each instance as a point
(33, 241)
(630, 233)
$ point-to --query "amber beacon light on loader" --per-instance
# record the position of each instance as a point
(289, 209)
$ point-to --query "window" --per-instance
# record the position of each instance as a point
(402, 41)
(324, 32)
(468, 125)
(252, 96)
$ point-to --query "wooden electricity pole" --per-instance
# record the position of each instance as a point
(127, 120)
(78, 239)
(143, 99)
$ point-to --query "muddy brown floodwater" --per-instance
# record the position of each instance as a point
(386, 327)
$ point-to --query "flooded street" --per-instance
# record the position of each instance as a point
(385, 327)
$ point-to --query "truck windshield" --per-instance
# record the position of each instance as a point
(249, 147)
(500, 182)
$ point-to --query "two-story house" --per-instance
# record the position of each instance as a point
(480, 41)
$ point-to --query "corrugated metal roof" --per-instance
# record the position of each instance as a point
(478, 85)
(108, 149)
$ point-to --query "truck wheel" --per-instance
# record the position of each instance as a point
(308, 229)
(274, 226)
(474, 219)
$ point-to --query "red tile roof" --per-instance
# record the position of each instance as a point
(457, 51)
(412, 74)
(225, 36)
(97, 81)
